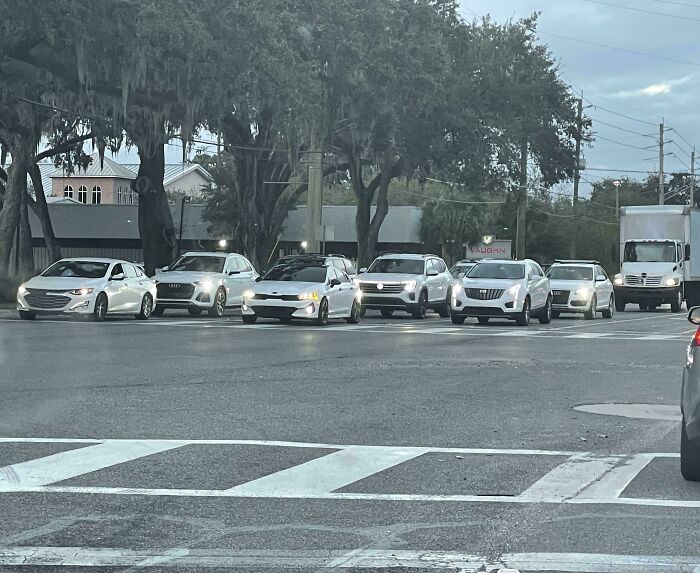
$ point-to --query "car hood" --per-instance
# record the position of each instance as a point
(285, 287)
(387, 277)
(569, 285)
(186, 276)
(491, 283)
(649, 268)
(62, 283)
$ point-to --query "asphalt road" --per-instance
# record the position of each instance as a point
(189, 444)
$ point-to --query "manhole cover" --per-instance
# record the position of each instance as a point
(641, 411)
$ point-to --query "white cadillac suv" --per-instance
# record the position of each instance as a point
(515, 290)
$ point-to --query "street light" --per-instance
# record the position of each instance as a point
(223, 243)
(185, 199)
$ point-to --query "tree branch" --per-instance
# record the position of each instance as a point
(63, 148)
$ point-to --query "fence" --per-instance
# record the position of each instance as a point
(41, 255)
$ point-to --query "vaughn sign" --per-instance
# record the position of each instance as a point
(489, 248)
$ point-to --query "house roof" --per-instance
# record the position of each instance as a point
(108, 168)
(173, 171)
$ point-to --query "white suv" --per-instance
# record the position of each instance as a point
(412, 283)
(581, 287)
(201, 281)
(509, 289)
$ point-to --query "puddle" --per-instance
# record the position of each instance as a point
(639, 411)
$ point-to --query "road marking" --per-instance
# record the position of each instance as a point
(225, 558)
(663, 412)
(614, 482)
(589, 335)
(327, 473)
(72, 463)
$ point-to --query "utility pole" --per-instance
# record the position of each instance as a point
(661, 163)
(577, 174)
(692, 179)
(185, 199)
(521, 215)
(314, 196)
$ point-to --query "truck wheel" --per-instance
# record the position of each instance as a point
(619, 305)
(608, 312)
(590, 313)
(677, 302)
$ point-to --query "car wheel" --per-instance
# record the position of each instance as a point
(387, 313)
(457, 319)
(482, 319)
(195, 311)
(444, 310)
(523, 317)
(677, 302)
(285, 319)
(322, 317)
(590, 313)
(146, 307)
(545, 316)
(27, 315)
(363, 312)
(555, 314)
(619, 305)
(219, 307)
(608, 312)
(158, 310)
(354, 317)
(421, 308)
(250, 318)
(100, 310)
(690, 457)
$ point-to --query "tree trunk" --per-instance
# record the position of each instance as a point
(365, 251)
(521, 213)
(41, 210)
(379, 214)
(9, 216)
(26, 250)
(158, 238)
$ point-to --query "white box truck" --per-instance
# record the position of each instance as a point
(659, 257)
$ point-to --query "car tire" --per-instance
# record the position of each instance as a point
(418, 311)
(27, 315)
(158, 310)
(219, 307)
(523, 317)
(195, 311)
(591, 312)
(322, 316)
(285, 319)
(457, 318)
(545, 316)
(100, 310)
(608, 312)
(690, 457)
(387, 313)
(146, 307)
(482, 319)
(619, 305)
(677, 302)
(355, 312)
(555, 314)
(444, 310)
(363, 312)
(249, 318)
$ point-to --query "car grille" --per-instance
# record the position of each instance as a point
(39, 298)
(372, 288)
(484, 293)
(175, 290)
(639, 280)
(276, 297)
(275, 311)
(482, 311)
(560, 296)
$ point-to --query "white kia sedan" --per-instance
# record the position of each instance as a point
(87, 286)
(303, 289)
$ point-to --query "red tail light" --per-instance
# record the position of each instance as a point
(696, 338)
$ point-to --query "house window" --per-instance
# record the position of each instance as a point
(96, 195)
(82, 194)
(68, 191)
(119, 194)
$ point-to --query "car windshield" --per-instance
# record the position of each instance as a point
(398, 266)
(636, 252)
(199, 263)
(297, 273)
(497, 271)
(570, 273)
(460, 271)
(78, 269)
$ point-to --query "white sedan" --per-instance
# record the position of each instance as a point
(87, 286)
(303, 289)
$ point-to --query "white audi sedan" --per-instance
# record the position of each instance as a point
(88, 286)
(303, 289)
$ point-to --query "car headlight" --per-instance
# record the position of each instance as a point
(409, 286)
(247, 295)
(357, 282)
(618, 280)
(583, 292)
(673, 282)
(309, 295)
(456, 287)
(81, 291)
(21, 291)
(514, 290)
(206, 285)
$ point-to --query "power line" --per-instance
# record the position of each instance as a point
(678, 3)
(617, 170)
(573, 217)
(407, 192)
(681, 161)
(600, 107)
(690, 145)
(679, 147)
(623, 129)
(687, 18)
(635, 52)
(623, 144)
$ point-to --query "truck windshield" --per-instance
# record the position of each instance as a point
(649, 252)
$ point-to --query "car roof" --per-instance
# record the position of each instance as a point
(506, 261)
(409, 256)
(97, 260)
(209, 254)
(465, 262)
(575, 263)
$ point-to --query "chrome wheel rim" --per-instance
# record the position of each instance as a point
(220, 302)
(146, 306)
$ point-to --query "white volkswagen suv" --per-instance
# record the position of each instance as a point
(509, 289)
(412, 283)
(581, 287)
(201, 281)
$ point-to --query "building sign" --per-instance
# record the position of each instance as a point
(494, 249)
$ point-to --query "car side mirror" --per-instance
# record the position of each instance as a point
(258, 279)
(432, 273)
(335, 282)
(687, 252)
(600, 279)
(362, 270)
(694, 315)
(117, 277)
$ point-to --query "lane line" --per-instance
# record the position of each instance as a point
(72, 463)
(327, 473)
